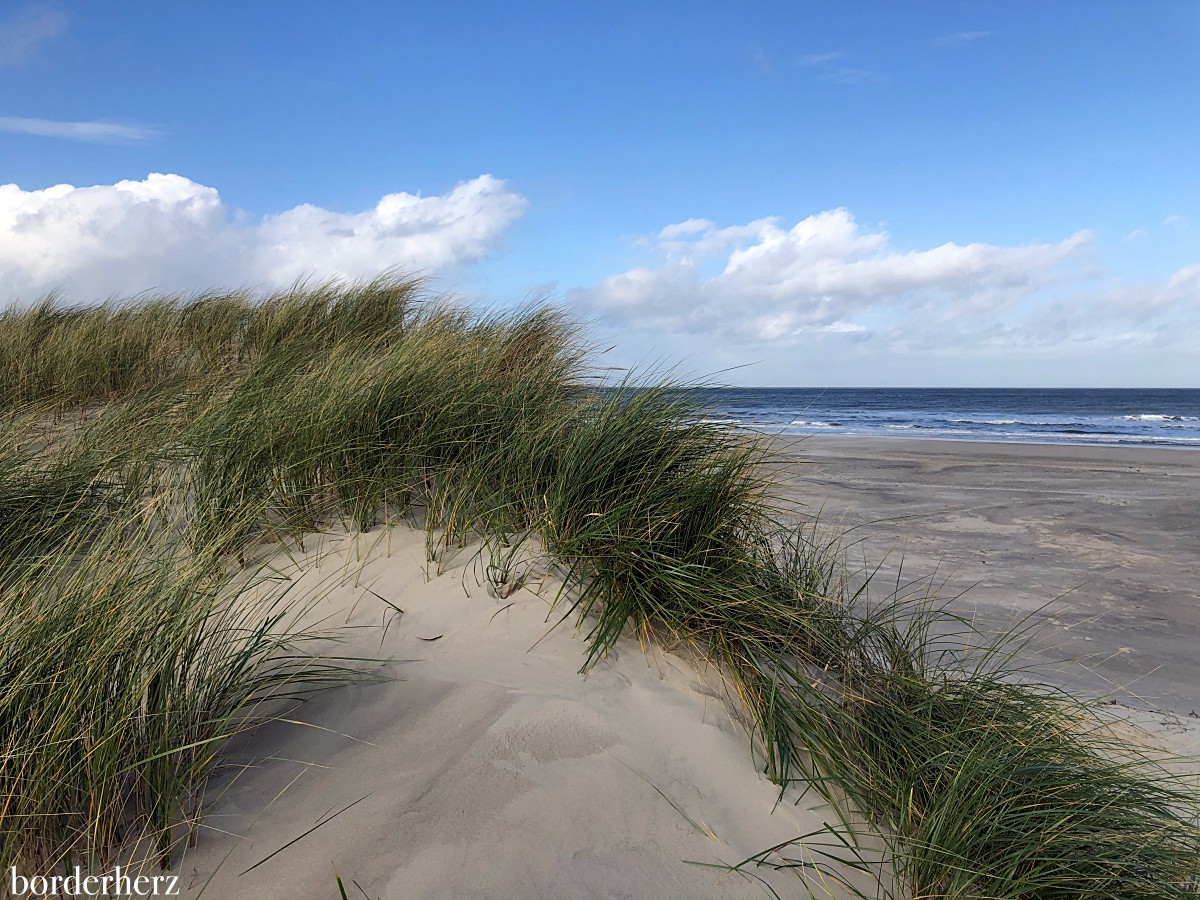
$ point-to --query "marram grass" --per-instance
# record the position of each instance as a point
(150, 445)
(125, 663)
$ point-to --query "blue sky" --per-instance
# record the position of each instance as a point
(874, 193)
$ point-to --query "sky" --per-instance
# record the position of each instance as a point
(754, 193)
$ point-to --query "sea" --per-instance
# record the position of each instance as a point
(1105, 416)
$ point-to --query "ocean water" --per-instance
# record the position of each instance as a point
(1169, 418)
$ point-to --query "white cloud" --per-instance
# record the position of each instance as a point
(762, 283)
(23, 33)
(95, 132)
(1114, 316)
(1107, 322)
(170, 233)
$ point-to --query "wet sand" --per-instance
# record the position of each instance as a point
(1113, 533)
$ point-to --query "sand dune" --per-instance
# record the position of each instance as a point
(487, 766)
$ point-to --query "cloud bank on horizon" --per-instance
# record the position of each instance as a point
(169, 233)
(765, 287)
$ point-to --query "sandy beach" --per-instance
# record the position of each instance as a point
(1099, 544)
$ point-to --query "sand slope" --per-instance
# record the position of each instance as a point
(488, 767)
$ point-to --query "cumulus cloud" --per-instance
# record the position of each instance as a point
(764, 283)
(172, 234)
(95, 132)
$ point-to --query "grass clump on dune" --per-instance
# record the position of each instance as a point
(1001, 790)
(234, 421)
(979, 783)
(125, 662)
